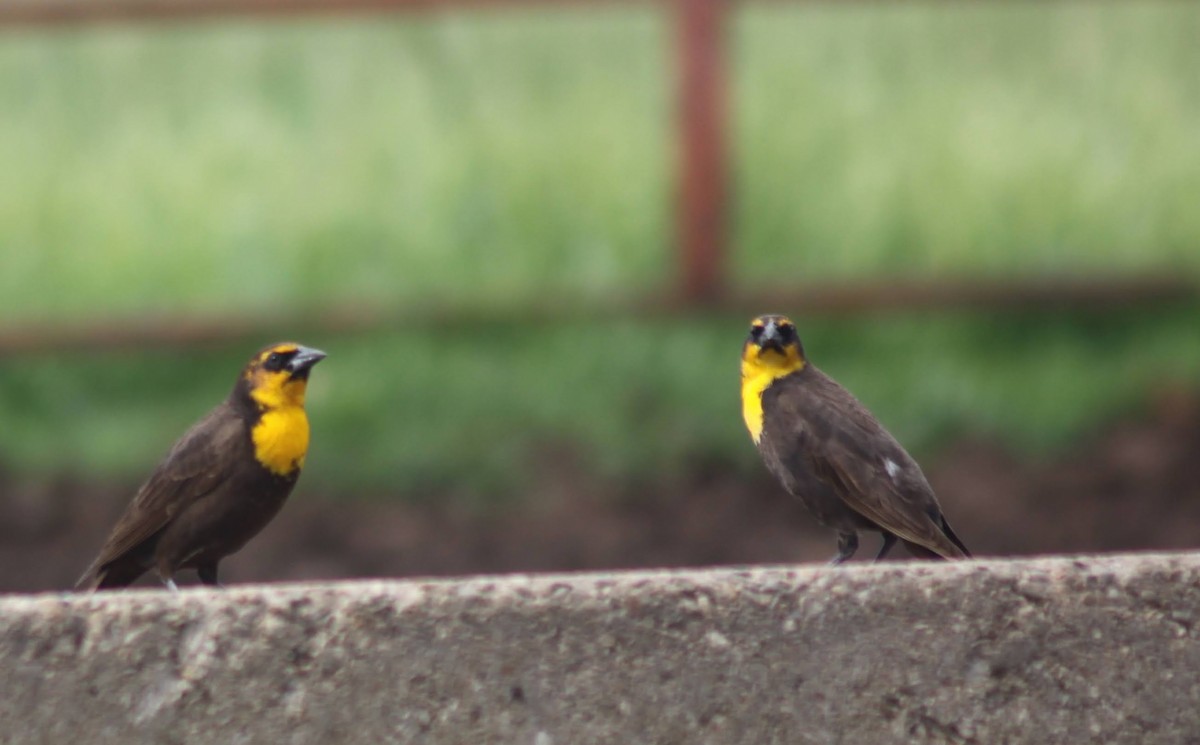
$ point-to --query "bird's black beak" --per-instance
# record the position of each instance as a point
(303, 360)
(770, 338)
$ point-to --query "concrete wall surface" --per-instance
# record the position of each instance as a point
(1063, 650)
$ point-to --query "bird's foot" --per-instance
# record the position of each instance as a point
(847, 545)
(889, 540)
(208, 575)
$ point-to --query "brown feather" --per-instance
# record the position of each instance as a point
(199, 463)
(205, 500)
(814, 430)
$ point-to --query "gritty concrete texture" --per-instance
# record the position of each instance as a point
(1101, 650)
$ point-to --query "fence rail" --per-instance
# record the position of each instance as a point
(1060, 294)
(87, 12)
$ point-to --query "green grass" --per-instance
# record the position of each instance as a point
(306, 165)
(973, 138)
(481, 412)
(184, 169)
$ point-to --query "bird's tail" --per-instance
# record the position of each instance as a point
(108, 576)
(966, 554)
(955, 549)
(91, 579)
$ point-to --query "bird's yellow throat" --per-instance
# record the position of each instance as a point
(281, 435)
(760, 368)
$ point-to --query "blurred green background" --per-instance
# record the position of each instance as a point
(290, 167)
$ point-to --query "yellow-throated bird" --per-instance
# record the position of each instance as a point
(832, 453)
(221, 483)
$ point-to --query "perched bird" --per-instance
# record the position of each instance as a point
(832, 453)
(221, 483)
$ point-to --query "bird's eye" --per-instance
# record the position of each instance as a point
(274, 361)
(756, 331)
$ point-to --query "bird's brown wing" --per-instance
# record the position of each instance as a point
(847, 447)
(197, 464)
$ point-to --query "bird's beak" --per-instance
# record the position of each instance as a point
(303, 361)
(770, 338)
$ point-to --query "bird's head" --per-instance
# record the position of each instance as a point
(278, 375)
(772, 347)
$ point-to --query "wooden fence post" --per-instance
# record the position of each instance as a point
(703, 163)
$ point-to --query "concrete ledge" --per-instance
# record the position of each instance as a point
(1043, 651)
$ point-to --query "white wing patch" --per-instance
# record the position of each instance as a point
(892, 469)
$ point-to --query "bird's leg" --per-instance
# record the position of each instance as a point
(208, 575)
(847, 545)
(889, 540)
(166, 576)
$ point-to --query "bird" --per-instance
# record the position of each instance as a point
(221, 482)
(831, 453)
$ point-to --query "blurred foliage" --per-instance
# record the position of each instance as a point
(482, 412)
(303, 165)
(990, 138)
